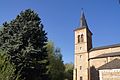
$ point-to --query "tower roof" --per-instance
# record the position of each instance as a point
(83, 22)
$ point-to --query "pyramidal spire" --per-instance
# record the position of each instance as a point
(83, 22)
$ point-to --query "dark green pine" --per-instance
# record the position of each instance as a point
(24, 39)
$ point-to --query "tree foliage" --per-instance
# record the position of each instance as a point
(69, 71)
(24, 40)
(56, 66)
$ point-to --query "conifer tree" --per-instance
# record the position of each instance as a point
(24, 39)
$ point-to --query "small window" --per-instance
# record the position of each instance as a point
(80, 56)
(78, 38)
(81, 78)
(80, 48)
(80, 67)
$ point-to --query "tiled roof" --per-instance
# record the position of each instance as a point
(107, 55)
(79, 28)
(83, 28)
(114, 64)
(104, 47)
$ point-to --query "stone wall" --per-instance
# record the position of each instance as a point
(109, 74)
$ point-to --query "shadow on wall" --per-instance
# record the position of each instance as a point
(94, 74)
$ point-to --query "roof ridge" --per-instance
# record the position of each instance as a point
(106, 46)
(112, 54)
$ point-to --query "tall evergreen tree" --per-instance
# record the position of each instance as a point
(24, 40)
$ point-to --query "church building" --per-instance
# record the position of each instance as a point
(99, 63)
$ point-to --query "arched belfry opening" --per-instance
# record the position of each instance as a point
(82, 38)
(78, 38)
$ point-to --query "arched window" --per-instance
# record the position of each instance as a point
(78, 38)
(82, 38)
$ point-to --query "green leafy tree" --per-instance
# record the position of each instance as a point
(56, 66)
(69, 71)
(24, 40)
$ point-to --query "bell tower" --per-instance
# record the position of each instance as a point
(83, 43)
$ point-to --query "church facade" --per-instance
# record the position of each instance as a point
(99, 63)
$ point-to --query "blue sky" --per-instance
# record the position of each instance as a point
(61, 17)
